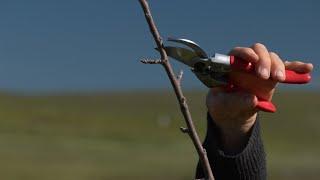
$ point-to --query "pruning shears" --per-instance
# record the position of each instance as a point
(213, 71)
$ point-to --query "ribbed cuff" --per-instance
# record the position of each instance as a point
(248, 164)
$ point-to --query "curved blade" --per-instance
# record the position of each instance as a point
(194, 46)
(183, 55)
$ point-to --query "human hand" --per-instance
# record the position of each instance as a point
(235, 112)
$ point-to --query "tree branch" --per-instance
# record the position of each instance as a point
(175, 82)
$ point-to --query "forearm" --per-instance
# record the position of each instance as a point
(246, 162)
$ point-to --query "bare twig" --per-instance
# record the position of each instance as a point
(179, 77)
(177, 89)
(184, 130)
(151, 61)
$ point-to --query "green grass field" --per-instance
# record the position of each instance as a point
(136, 136)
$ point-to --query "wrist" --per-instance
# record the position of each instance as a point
(234, 136)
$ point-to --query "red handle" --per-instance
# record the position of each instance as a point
(292, 77)
(266, 106)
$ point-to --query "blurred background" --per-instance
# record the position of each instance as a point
(76, 103)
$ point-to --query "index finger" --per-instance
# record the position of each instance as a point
(245, 53)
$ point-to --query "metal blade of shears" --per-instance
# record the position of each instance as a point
(183, 55)
(194, 46)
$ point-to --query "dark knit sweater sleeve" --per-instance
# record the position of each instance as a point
(249, 164)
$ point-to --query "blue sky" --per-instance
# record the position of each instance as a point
(77, 45)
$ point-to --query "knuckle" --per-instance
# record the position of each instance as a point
(273, 54)
(236, 49)
(276, 60)
(258, 45)
(249, 51)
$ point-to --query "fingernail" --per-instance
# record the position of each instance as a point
(280, 74)
(264, 72)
